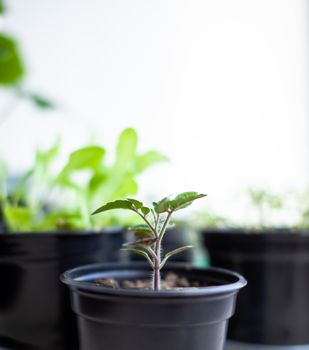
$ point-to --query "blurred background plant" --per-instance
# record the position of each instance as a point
(301, 205)
(13, 73)
(210, 220)
(45, 199)
(265, 204)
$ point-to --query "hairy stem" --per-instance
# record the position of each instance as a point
(157, 262)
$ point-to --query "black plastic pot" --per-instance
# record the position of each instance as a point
(273, 309)
(122, 319)
(35, 312)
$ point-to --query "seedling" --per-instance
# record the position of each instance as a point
(149, 236)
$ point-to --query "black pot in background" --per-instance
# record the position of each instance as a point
(35, 310)
(122, 319)
(273, 309)
(174, 238)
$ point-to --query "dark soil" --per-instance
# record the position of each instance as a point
(169, 281)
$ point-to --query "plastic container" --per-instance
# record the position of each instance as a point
(273, 309)
(35, 311)
(122, 319)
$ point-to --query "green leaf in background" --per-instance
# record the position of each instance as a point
(11, 66)
(2, 7)
(118, 204)
(120, 187)
(60, 221)
(147, 159)
(126, 150)
(86, 158)
(44, 158)
(38, 100)
(19, 219)
(41, 101)
(89, 157)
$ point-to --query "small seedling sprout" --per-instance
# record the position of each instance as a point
(149, 235)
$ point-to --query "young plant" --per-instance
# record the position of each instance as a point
(150, 235)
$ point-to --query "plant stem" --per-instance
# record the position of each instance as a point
(157, 262)
(156, 279)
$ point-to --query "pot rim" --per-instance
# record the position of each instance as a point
(75, 279)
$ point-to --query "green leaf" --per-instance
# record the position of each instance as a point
(141, 231)
(88, 157)
(126, 150)
(11, 65)
(145, 210)
(118, 204)
(162, 206)
(137, 204)
(126, 185)
(148, 159)
(18, 218)
(173, 252)
(60, 221)
(98, 179)
(2, 7)
(140, 252)
(44, 158)
(185, 199)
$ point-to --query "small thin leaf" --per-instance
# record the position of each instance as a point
(148, 159)
(173, 252)
(118, 204)
(140, 252)
(40, 101)
(137, 204)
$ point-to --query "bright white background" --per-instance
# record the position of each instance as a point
(219, 86)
